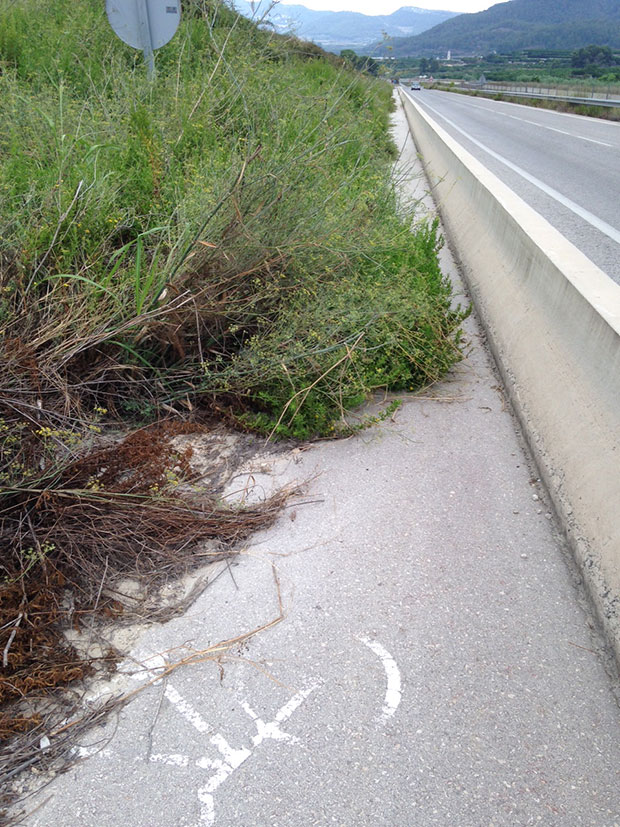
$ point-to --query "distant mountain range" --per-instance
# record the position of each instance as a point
(516, 25)
(337, 30)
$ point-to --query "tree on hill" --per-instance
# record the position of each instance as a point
(359, 62)
(592, 55)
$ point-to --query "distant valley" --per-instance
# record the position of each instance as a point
(514, 26)
(506, 27)
(335, 31)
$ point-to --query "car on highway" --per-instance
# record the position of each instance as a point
(416, 86)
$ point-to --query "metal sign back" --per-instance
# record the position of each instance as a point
(129, 18)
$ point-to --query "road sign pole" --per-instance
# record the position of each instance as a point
(145, 36)
(144, 24)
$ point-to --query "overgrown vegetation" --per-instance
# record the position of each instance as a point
(223, 241)
(212, 235)
(596, 65)
(360, 62)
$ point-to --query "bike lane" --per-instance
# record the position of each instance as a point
(435, 662)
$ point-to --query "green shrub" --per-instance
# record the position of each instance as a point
(226, 236)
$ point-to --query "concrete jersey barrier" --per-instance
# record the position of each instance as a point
(553, 322)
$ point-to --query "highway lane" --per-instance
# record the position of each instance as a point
(567, 167)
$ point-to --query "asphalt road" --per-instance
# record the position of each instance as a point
(567, 167)
(436, 663)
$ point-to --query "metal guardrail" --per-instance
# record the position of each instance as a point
(525, 92)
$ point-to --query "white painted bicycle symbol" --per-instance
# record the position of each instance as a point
(228, 759)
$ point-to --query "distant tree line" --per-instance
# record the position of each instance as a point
(600, 63)
(592, 55)
(361, 63)
(595, 61)
(429, 65)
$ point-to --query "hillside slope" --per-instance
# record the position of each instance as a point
(519, 24)
(344, 29)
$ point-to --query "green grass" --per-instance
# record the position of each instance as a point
(226, 237)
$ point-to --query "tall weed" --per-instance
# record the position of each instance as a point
(226, 235)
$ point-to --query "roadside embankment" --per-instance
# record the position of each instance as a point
(553, 323)
(204, 246)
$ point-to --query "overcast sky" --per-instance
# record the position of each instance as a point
(388, 6)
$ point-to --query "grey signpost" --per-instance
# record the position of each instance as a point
(144, 24)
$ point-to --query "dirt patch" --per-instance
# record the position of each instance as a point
(126, 536)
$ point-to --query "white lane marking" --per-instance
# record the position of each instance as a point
(272, 730)
(553, 113)
(393, 692)
(172, 760)
(296, 701)
(152, 668)
(232, 757)
(223, 770)
(593, 220)
(87, 752)
(542, 125)
(264, 730)
(561, 131)
(207, 809)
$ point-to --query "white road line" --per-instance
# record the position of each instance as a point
(591, 219)
(542, 125)
(556, 114)
(393, 692)
(296, 701)
(233, 757)
(87, 752)
(207, 810)
(561, 131)
(272, 730)
(221, 768)
(172, 760)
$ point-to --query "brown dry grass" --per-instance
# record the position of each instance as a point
(129, 509)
